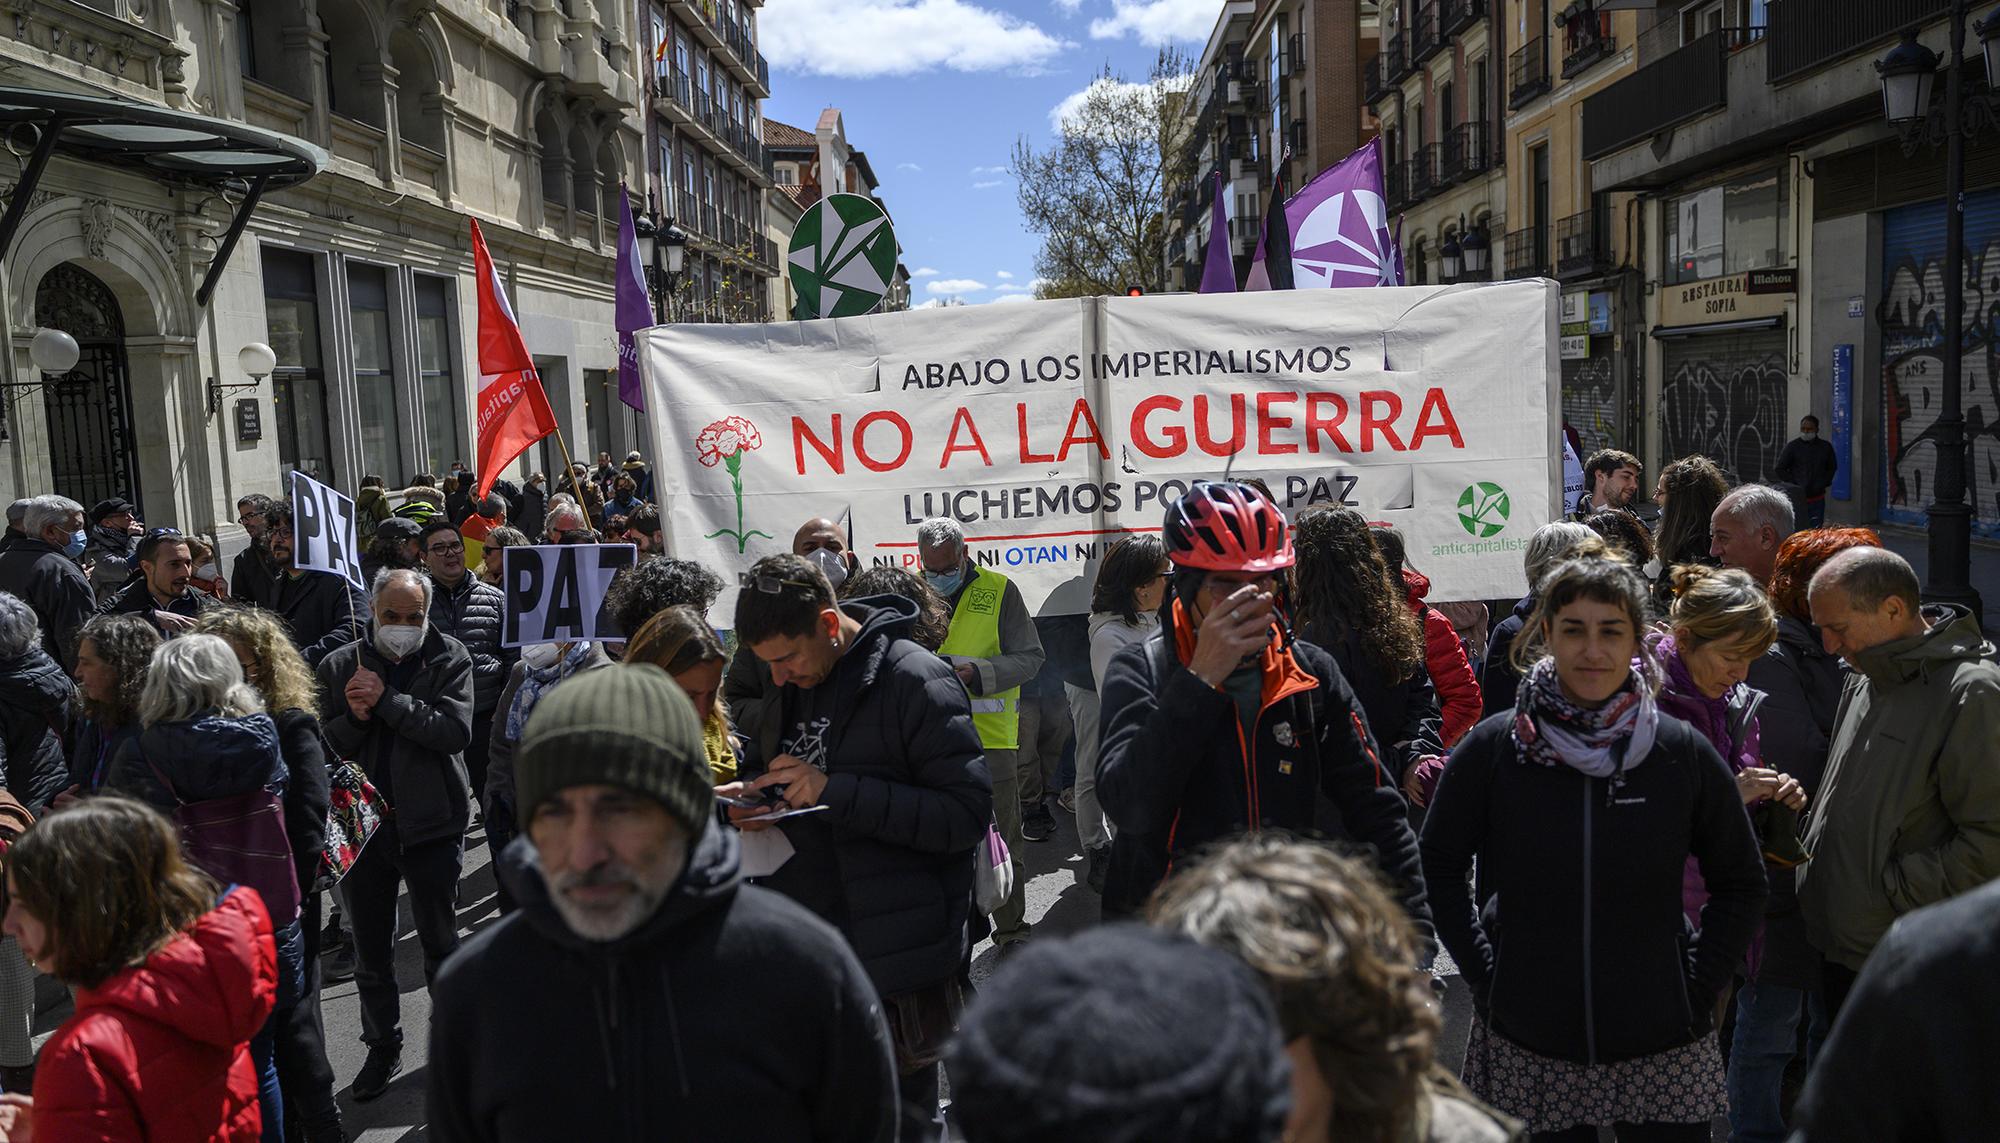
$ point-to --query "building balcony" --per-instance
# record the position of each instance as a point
(1523, 254)
(1455, 16)
(1396, 185)
(1399, 59)
(1295, 53)
(1679, 86)
(1424, 38)
(1245, 228)
(1809, 34)
(1582, 250)
(1423, 172)
(1592, 42)
(1375, 79)
(1468, 151)
(1527, 72)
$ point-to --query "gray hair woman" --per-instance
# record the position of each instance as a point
(1550, 545)
(206, 737)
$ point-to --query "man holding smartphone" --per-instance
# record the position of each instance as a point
(880, 732)
(1223, 724)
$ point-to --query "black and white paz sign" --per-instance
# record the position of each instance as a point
(323, 531)
(555, 593)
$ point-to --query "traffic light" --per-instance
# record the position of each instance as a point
(1135, 291)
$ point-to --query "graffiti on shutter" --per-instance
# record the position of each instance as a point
(1911, 320)
(1592, 404)
(1724, 398)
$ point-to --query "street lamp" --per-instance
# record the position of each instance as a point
(1476, 250)
(54, 351)
(1908, 73)
(660, 239)
(1450, 257)
(256, 360)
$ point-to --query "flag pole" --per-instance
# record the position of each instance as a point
(569, 466)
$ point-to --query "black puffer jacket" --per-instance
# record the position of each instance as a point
(323, 611)
(908, 796)
(1171, 762)
(306, 790)
(413, 745)
(470, 613)
(1802, 685)
(51, 584)
(644, 1038)
(1582, 952)
(35, 701)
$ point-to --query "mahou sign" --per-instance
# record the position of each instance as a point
(1050, 429)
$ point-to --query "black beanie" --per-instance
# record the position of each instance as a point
(1120, 1035)
(629, 726)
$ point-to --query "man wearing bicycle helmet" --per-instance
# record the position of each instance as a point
(1222, 724)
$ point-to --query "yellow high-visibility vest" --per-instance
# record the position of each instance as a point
(975, 633)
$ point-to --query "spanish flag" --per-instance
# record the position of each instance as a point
(660, 53)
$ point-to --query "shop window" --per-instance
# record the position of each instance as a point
(374, 369)
(444, 427)
(298, 384)
(1739, 225)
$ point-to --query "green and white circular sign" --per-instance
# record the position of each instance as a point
(842, 257)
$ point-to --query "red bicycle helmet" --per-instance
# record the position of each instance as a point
(1228, 528)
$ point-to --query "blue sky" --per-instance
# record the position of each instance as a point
(937, 91)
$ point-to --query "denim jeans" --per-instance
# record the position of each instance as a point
(1767, 1028)
(291, 971)
(431, 870)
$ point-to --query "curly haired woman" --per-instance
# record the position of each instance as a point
(1347, 604)
(1338, 954)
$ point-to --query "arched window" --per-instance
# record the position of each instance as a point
(352, 54)
(608, 170)
(583, 175)
(555, 158)
(418, 115)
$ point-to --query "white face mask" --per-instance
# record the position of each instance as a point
(398, 640)
(831, 564)
(541, 656)
(1809, 434)
(205, 571)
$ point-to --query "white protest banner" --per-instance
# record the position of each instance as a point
(555, 593)
(1049, 429)
(323, 531)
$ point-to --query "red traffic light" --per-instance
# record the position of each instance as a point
(1135, 291)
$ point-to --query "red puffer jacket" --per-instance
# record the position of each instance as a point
(1451, 673)
(161, 1052)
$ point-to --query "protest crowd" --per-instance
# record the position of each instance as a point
(1708, 823)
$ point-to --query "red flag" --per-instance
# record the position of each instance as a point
(513, 410)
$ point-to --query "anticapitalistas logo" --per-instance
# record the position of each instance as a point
(725, 442)
(1483, 509)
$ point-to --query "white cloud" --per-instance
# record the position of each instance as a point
(1011, 288)
(988, 184)
(909, 167)
(1004, 275)
(923, 272)
(1068, 7)
(1156, 21)
(858, 39)
(988, 171)
(1005, 298)
(954, 286)
(1119, 90)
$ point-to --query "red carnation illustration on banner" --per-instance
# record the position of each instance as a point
(725, 442)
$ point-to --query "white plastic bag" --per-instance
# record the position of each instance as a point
(993, 872)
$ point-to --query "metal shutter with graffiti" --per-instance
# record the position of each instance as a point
(1593, 400)
(1723, 397)
(1911, 320)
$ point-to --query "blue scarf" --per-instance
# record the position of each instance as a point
(534, 682)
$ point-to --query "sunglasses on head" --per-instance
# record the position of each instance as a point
(769, 584)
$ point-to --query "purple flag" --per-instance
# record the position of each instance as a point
(1340, 225)
(633, 312)
(1218, 273)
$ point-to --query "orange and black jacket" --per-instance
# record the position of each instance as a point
(1175, 771)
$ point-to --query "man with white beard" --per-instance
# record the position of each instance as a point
(640, 991)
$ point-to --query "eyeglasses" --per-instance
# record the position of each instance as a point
(769, 584)
(445, 549)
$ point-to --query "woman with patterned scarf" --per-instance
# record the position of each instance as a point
(1594, 997)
